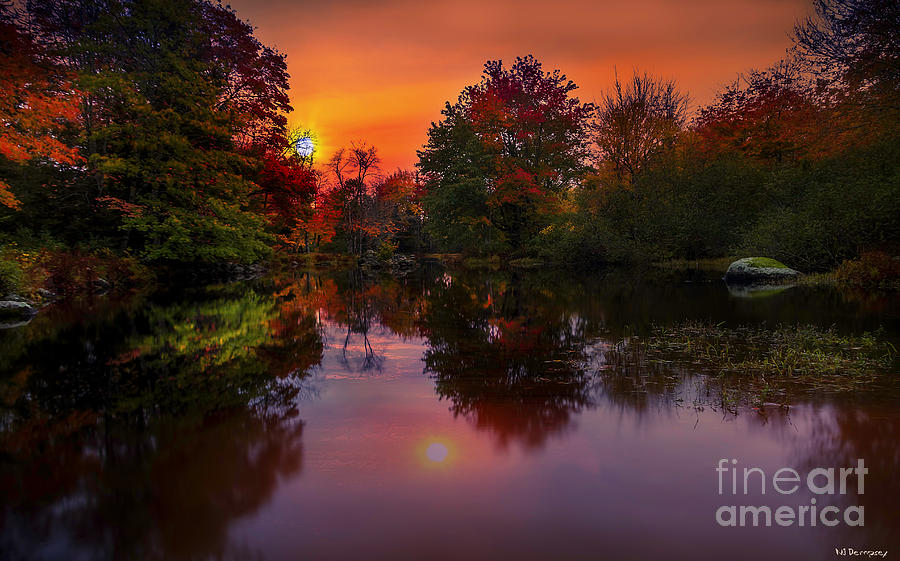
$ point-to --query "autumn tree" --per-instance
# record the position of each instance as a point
(398, 210)
(636, 122)
(353, 171)
(504, 155)
(251, 78)
(770, 116)
(636, 125)
(37, 101)
(287, 188)
(320, 225)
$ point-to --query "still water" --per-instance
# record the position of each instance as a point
(443, 415)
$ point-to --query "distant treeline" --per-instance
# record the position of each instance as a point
(800, 161)
(157, 129)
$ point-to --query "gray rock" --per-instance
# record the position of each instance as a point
(13, 310)
(46, 294)
(369, 260)
(759, 270)
(402, 264)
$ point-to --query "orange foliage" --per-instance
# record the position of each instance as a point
(34, 105)
(768, 116)
(873, 269)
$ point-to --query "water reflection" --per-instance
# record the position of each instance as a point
(841, 433)
(143, 433)
(165, 491)
(507, 356)
(263, 420)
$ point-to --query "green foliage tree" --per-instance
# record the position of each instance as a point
(180, 101)
(831, 210)
(457, 168)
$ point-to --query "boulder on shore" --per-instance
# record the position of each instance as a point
(759, 270)
(16, 310)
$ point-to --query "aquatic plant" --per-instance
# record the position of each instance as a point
(756, 365)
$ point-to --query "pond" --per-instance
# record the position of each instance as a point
(447, 414)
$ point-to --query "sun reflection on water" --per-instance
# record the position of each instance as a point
(436, 452)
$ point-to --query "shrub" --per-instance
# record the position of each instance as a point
(820, 214)
(873, 269)
(11, 276)
(385, 251)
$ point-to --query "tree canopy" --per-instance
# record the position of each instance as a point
(505, 154)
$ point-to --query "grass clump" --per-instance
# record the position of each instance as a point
(801, 352)
(713, 264)
(709, 365)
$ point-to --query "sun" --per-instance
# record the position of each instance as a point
(304, 146)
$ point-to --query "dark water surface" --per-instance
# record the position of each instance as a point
(446, 415)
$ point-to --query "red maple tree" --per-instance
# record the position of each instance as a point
(36, 102)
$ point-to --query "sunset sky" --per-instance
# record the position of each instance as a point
(381, 71)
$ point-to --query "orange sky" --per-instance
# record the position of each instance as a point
(381, 71)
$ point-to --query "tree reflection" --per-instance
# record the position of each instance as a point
(842, 433)
(145, 434)
(169, 490)
(360, 306)
(507, 356)
(508, 352)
